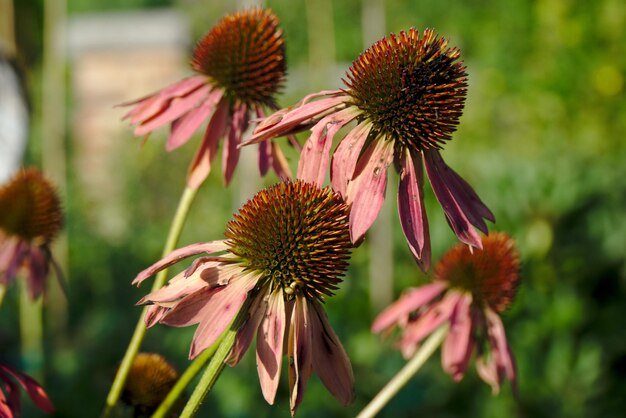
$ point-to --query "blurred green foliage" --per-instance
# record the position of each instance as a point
(542, 142)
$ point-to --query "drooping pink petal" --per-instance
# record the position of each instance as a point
(37, 272)
(367, 191)
(410, 301)
(314, 157)
(201, 164)
(230, 154)
(189, 310)
(154, 314)
(299, 352)
(346, 156)
(176, 107)
(503, 357)
(20, 253)
(285, 121)
(269, 346)
(177, 288)
(247, 331)
(223, 306)
(34, 390)
(279, 163)
(184, 127)
(412, 210)
(14, 401)
(462, 206)
(330, 361)
(457, 347)
(264, 157)
(180, 254)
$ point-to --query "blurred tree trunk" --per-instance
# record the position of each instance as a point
(321, 34)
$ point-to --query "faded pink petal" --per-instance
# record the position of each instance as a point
(37, 272)
(457, 347)
(177, 288)
(201, 164)
(367, 191)
(180, 254)
(299, 352)
(314, 157)
(264, 157)
(184, 127)
(410, 301)
(502, 355)
(154, 314)
(411, 208)
(247, 331)
(32, 388)
(222, 306)
(269, 346)
(230, 154)
(346, 156)
(330, 361)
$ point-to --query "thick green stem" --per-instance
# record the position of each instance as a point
(140, 330)
(184, 380)
(31, 332)
(405, 374)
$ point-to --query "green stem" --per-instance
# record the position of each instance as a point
(184, 380)
(31, 332)
(215, 367)
(405, 374)
(140, 329)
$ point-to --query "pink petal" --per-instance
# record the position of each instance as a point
(154, 314)
(246, 333)
(457, 347)
(37, 272)
(500, 348)
(346, 156)
(462, 212)
(14, 401)
(177, 288)
(411, 209)
(180, 254)
(172, 110)
(269, 346)
(184, 127)
(230, 154)
(264, 147)
(201, 165)
(32, 388)
(20, 253)
(314, 157)
(299, 352)
(221, 308)
(410, 301)
(330, 361)
(367, 191)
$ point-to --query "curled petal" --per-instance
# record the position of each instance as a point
(410, 301)
(367, 191)
(330, 361)
(269, 346)
(457, 347)
(346, 156)
(178, 255)
(299, 352)
(411, 209)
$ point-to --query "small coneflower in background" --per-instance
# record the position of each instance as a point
(10, 402)
(286, 251)
(468, 292)
(241, 66)
(149, 381)
(30, 218)
(406, 94)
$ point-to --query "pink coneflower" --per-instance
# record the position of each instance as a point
(30, 218)
(286, 249)
(10, 403)
(241, 66)
(469, 291)
(406, 94)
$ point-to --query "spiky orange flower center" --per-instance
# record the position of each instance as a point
(244, 53)
(30, 207)
(296, 235)
(412, 89)
(491, 275)
(149, 381)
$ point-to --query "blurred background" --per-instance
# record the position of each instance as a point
(542, 140)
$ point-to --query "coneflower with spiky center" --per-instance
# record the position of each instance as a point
(469, 291)
(241, 67)
(286, 249)
(406, 94)
(30, 218)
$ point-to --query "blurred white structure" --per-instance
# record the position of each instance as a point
(14, 119)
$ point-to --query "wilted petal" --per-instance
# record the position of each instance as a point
(32, 388)
(221, 308)
(314, 157)
(154, 314)
(18, 253)
(411, 209)
(180, 254)
(201, 164)
(367, 191)
(269, 346)
(410, 301)
(246, 332)
(330, 361)
(37, 272)
(457, 347)
(184, 127)
(230, 154)
(501, 352)
(299, 352)
(346, 156)
(177, 288)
